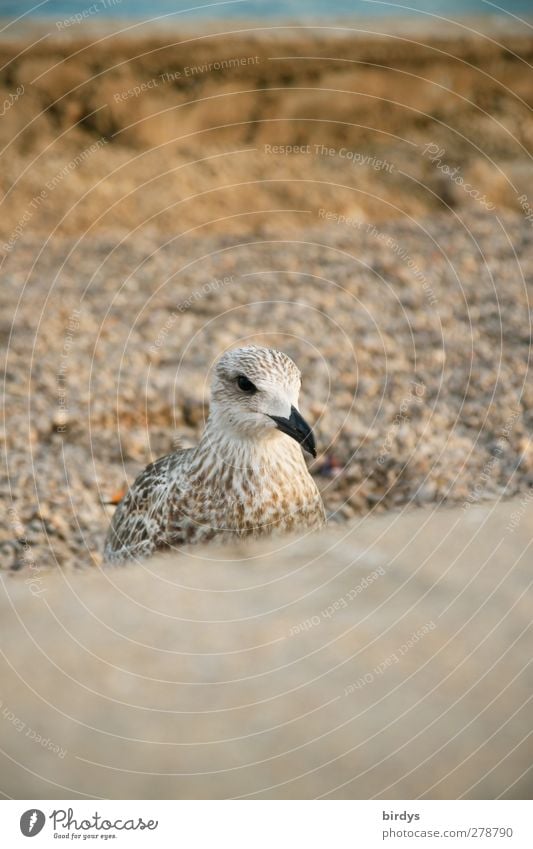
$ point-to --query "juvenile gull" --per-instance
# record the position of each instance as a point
(246, 477)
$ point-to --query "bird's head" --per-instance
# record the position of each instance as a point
(254, 394)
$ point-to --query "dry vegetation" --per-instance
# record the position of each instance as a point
(190, 151)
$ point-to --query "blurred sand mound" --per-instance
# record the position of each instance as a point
(182, 127)
(413, 340)
(390, 660)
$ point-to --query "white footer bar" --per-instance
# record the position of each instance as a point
(268, 824)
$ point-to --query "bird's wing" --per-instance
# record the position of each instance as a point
(139, 523)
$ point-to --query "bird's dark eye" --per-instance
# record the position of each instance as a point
(246, 385)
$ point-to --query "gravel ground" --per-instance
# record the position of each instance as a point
(413, 340)
(362, 202)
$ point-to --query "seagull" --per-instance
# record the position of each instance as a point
(246, 477)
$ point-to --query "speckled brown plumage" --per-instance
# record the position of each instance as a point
(246, 477)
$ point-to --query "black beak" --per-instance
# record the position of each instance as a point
(297, 427)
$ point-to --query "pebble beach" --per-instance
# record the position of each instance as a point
(168, 196)
(413, 342)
